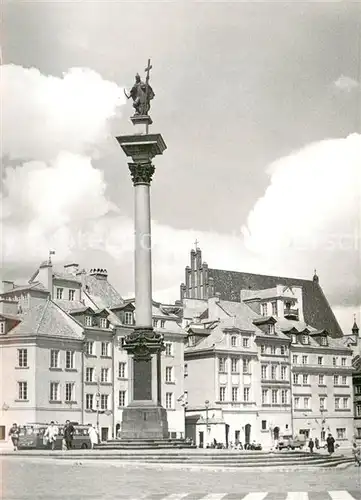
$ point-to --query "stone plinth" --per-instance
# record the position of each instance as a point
(144, 421)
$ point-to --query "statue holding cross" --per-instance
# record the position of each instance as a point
(141, 93)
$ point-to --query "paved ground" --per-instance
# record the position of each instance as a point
(44, 479)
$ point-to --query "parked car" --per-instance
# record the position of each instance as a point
(291, 443)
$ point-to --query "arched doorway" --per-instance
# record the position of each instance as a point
(247, 434)
(117, 429)
(276, 433)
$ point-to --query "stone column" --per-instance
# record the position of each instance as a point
(144, 417)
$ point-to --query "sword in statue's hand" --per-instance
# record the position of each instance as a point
(126, 95)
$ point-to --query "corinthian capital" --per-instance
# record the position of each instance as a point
(141, 173)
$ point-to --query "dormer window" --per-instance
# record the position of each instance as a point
(323, 340)
(59, 293)
(274, 308)
(71, 294)
(264, 309)
(305, 339)
(155, 323)
(2, 327)
(162, 323)
(294, 338)
(233, 341)
(245, 342)
(128, 318)
(103, 323)
(271, 329)
(88, 321)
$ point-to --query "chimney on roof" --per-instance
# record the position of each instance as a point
(6, 286)
(71, 268)
(100, 274)
(45, 275)
(315, 278)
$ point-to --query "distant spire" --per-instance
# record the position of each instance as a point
(355, 328)
(315, 277)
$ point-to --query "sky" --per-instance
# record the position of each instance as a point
(259, 104)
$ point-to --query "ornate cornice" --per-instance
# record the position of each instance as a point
(141, 173)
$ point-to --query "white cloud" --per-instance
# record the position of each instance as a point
(346, 84)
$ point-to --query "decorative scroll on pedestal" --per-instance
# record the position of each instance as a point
(143, 342)
(141, 173)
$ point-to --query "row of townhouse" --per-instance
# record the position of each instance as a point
(61, 352)
(265, 357)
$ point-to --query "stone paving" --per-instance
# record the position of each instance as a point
(44, 479)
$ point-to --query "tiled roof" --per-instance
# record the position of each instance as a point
(36, 285)
(71, 305)
(65, 276)
(104, 294)
(243, 315)
(316, 309)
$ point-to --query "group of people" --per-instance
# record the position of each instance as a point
(330, 442)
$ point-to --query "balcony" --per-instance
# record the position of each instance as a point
(291, 313)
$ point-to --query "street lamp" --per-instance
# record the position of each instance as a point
(97, 399)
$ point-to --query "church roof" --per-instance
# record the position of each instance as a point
(316, 309)
(101, 291)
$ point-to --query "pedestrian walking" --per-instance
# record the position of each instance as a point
(68, 434)
(330, 444)
(14, 435)
(93, 435)
(356, 451)
(311, 444)
(317, 443)
(51, 434)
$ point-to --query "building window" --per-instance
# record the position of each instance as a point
(168, 349)
(337, 403)
(294, 338)
(345, 403)
(162, 323)
(245, 342)
(23, 391)
(273, 349)
(284, 397)
(246, 394)
(296, 378)
(89, 398)
(283, 372)
(246, 366)
(322, 403)
(185, 369)
(274, 309)
(54, 358)
(321, 380)
(358, 411)
(263, 349)
(264, 425)
(89, 348)
(54, 391)
(121, 370)
(105, 349)
(103, 323)
(234, 394)
(341, 433)
(335, 380)
(71, 294)
(222, 393)
(222, 365)
(155, 323)
(295, 359)
(264, 372)
(274, 396)
(233, 341)
(104, 401)
(69, 391)
(22, 358)
(89, 374)
(69, 360)
(234, 365)
(88, 321)
(121, 399)
(334, 361)
(169, 374)
(104, 372)
(323, 340)
(304, 360)
(320, 360)
(343, 361)
(59, 293)
(296, 402)
(306, 403)
(128, 318)
(358, 390)
(264, 309)
(344, 380)
(273, 372)
(264, 396)
(283, 350)
(2, 327)
(271, 329)
(305, 339)
(169, 400)
(305, 379)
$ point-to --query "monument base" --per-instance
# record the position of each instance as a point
(144, 421)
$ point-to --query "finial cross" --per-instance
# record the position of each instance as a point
(147, 70)
(196, 244)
